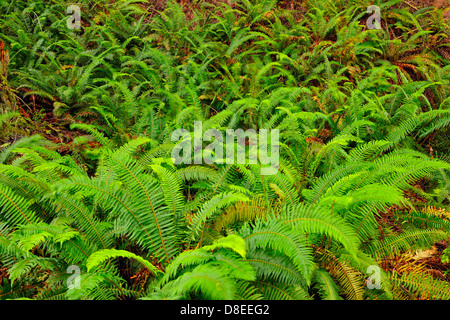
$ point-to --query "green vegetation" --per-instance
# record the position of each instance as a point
(87, 180)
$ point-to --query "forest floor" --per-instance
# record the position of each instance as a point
(39, 111)
(188, 5)
(39, 117)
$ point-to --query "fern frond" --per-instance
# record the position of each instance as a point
(423, 285)
(327, 288)
(391, 246)
(99, 257)
(275, 235)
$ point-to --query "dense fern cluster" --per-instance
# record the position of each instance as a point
(363, 179)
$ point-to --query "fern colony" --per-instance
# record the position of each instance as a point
(88, 186)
